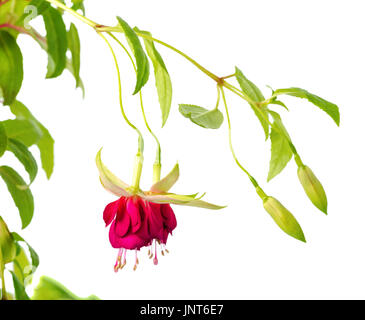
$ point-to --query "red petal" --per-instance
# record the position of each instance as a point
(168, 216)
(110, 212)
(163, 235)
(133, 210)
(154, 218)
(132, 242)
(113, 237)
(122, 223)
(143, 232)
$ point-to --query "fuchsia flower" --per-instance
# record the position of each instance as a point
(142, 219)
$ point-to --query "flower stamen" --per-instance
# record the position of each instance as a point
(136, 262)
(118, 263)
(155, 260)
(163, 246)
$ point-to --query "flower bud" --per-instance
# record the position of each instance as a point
(7, 244)
(283, 218)
(313, 188)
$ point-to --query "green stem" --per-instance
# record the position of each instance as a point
(156, 172)
(3, 289)
(2, 276)
(31, 32)
(230, 76)
(218, 97)
(148, 37)
(140, 140)
(195, 63)
(137, 172)
(252, 179)
(73, 12)
(158, 152)
(298, 160)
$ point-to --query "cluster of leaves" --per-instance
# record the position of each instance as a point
(282, 147)
(24, 131)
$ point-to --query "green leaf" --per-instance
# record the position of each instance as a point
(23, 269)
(22, 195)
(45, 143)
(50, 289)
(143, 69)
(33, 254)
(279, 103)
(162, 77)
(210, 119)
(281, 152)
(165, 184)
(254, 93)
(41, 6)
(56, 40)
(24, 131)
(330, 108)
(19, 288)
(3, 139)
(262, 116)
(249, 87)
(46, 148)
(74, 46)
(78, 5)
(7, 244)
(21, 265)
(11, 67)
(25, 157)
(278, 124)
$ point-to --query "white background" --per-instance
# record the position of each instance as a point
(237, 253)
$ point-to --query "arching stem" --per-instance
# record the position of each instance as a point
(2, 276)
(252, 179)
(139, 156)
(157, 164)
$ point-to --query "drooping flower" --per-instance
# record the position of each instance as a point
(142, 218)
